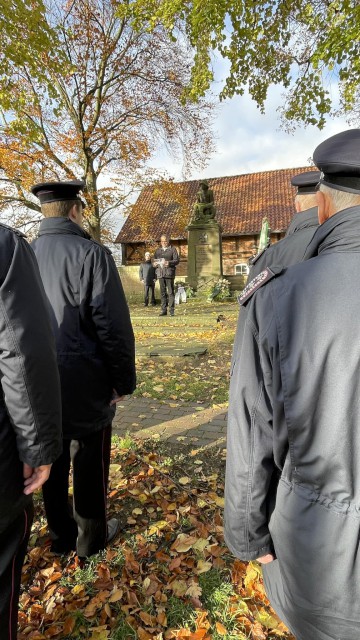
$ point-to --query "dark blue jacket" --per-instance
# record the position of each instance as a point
(91, 324)
(293, 451)
(30, 407)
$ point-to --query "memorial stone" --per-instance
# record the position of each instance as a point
(204, 241)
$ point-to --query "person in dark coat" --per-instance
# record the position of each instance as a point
(291, 249)
(292, 491)
(95, 350)
(147, 276)
(30, 410)
(165, 259)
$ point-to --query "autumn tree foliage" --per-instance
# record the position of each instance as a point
(101, 113)
(303, 45)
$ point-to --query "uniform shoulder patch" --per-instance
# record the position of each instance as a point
(257, 282)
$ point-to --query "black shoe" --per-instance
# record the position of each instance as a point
(172, 313)
(146, 304)
(163, 313)
(61, 549)
(153, 304)
(113, 529)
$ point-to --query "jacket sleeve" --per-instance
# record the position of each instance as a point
(250, 467)
(28, 366)
(111, 318)
(175, 258)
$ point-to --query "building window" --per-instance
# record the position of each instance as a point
(241, 269)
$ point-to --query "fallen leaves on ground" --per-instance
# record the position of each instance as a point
(168, 576)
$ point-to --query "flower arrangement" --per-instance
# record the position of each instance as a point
(219, 290)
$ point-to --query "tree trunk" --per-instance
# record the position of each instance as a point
(93, 203)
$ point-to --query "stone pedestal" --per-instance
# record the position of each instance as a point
(204, 253)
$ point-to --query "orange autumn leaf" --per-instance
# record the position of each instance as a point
(222, 631)
(257, 632)
(69, 625)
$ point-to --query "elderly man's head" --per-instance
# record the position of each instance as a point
(306, 184)
(338, 158)
(164, 241)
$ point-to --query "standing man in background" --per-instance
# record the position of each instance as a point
(95, 349)
(147, 276)
(165, 259)
(30, 410)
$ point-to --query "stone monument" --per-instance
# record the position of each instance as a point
(204, 240)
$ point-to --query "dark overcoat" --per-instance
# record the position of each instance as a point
(91, 324)
(147, 273)
(293, 466)
(30, 407)
(291, 249)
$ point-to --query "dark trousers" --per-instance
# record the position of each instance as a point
(167, 294)
(13, 545)
(85, 528)
(149, 288)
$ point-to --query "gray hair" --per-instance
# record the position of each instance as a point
(341, 199)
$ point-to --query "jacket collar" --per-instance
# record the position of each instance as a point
(341, 232)
(61, 226)
(303, 220)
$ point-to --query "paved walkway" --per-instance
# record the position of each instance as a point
(172, 421)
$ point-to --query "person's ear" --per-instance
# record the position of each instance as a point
(297, 205)
(323, 203)
(75, 215)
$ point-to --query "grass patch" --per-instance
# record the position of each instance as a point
(125, 442)
(180, 614)
(123, 631)
(201, 378)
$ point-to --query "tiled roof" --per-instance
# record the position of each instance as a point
(241, 203)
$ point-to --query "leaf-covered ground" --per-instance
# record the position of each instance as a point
(204, 378)
(168, 575)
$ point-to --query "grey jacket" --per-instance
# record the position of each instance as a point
(91, 323)
(30, 408)
(291, 249)
(293, 470)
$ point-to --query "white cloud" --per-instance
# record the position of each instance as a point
(248, 141)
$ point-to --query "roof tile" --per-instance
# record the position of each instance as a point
(241, 202)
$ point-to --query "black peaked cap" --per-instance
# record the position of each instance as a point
(306, 182)
(338, 158)
(58, 191)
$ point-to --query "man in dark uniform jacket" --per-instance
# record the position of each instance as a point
(147, 276)
(95, 348)
(291, 249)
(30, 410)
(293, 473)
(165, 259)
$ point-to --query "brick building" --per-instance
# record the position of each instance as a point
(241, 203)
